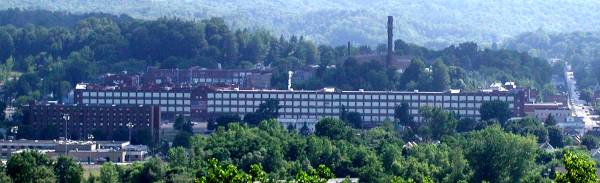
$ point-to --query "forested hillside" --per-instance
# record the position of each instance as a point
(581, 49)
(66, 49)
(430, 23)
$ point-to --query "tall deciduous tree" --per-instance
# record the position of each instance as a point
(496, 109)
(332, 128)
(580, 168)
(412, 73)
(30, 166)
(436, 123)
(497, 156)
(266, 110)
(550, 120)
(402, 114)
(108, 173)
(68, 171)
(441, 78)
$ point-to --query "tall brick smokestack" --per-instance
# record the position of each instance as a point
(390, 43)
(349, 48)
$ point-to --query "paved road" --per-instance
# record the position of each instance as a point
(578, 107)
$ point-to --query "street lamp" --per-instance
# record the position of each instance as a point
(66, 117)
(91, 139)
(130, 126)
(14, 130)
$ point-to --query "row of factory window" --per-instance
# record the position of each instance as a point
(89, 108)
(108, 113)
(138, 101)
(213, 80)
(174, 109)
(123, 124)
(87, 119)
(347, 104)
(214, 74)
(397, 97)
(138, 94)
(389, 112)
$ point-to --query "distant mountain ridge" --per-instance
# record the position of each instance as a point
(432, 23)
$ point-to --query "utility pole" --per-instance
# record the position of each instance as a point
(91, 139)
(66, 117)
(130, 126)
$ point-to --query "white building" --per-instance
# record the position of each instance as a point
(374, 106)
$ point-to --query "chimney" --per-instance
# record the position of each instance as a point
(349, 48)
(390, 44)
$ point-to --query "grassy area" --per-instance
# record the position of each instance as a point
(90, 169)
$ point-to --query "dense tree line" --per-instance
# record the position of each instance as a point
(580, 49)
(429, 23)
(269, 152)
(47, 59)
(464, 66)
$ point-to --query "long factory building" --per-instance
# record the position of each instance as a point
(204, 103)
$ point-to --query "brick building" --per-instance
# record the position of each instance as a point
(196, 76)
(89, 119)
(204, 103)
(173, 101)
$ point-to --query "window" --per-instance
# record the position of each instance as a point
(179, 95)
(186, 95)
(454, 98)
(85, 94)
(471, 98)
